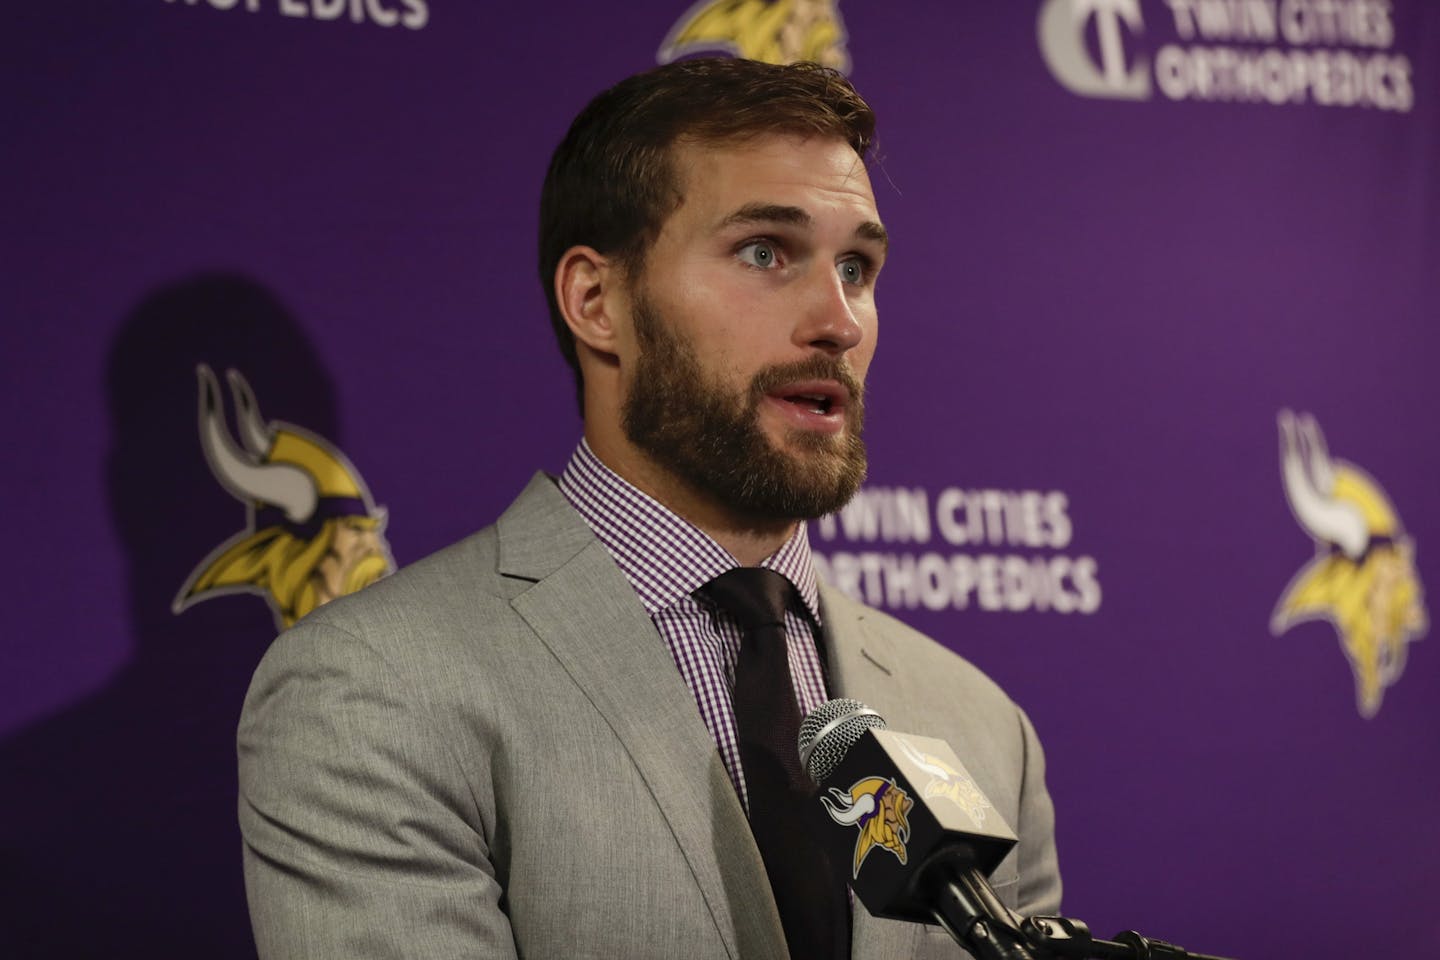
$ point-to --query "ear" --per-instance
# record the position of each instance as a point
(590, 293)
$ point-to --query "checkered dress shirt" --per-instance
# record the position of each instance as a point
(666, 559)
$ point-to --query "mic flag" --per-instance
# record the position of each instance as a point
(892, 804)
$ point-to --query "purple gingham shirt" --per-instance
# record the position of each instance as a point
(666, 559)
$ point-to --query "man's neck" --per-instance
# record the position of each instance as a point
(748, 540)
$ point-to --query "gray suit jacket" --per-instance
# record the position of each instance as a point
(492, 754)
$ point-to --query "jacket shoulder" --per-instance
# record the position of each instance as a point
(930, 670)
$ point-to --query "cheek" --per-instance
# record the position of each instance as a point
(864, 351)
(724, 329)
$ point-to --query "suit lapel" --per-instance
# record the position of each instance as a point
(863, 666)
(585, 611)
(862, 659)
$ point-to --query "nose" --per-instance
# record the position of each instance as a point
(829, 320)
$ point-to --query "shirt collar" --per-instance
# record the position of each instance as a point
(665, 557)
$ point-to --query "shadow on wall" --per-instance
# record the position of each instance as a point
(119, 836)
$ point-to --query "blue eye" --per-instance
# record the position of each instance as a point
(758, 253)
(851, 271)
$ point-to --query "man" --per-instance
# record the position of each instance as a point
(540, 742)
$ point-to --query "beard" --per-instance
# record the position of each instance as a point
(709, 435)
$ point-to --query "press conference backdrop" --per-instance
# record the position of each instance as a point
(1152, 423)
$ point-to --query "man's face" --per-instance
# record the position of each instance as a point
(754, 327)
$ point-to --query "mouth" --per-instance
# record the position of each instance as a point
(820, 396)
(813, 404)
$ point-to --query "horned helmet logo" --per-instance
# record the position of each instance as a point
(947, 783)
(879, 809)
(1362, 578)
(773, 31)
(312, 532)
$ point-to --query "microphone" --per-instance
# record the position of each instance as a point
(920, 838)
(918, 835)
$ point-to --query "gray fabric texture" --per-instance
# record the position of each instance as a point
(492, 754)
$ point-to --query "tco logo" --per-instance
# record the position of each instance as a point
(1062, 30)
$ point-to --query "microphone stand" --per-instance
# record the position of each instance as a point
(1063, 937)
(966, 907)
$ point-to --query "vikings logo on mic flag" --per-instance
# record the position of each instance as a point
(947, 783)
(312, 534)
(877, 807)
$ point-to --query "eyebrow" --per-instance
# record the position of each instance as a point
(795, 216)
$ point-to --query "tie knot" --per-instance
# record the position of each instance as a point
(754, 596)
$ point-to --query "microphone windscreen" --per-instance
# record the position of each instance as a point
(829, 732)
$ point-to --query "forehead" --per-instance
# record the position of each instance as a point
(822, 175)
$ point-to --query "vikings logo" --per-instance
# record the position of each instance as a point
(1363, 578)
(948, 783)
(879, 809)
(313, 533)
(774, 31)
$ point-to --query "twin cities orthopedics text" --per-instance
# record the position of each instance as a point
(1012, 551)
(410, 14)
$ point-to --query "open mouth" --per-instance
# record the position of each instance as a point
(814, 402)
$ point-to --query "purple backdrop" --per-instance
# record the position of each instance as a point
(1127, 235)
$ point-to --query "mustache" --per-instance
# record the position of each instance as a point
(818, 367)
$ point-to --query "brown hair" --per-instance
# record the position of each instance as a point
(611, 182)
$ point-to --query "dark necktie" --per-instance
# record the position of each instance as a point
(814, 909)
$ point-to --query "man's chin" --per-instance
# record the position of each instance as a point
(820, 472)
(818, 448)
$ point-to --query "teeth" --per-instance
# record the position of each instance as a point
(818, 403)
(815, 402)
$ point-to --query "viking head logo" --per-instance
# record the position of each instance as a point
(313, 533)
(948, 783)
(773, 31)
(1363, 578)
(879, 809)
